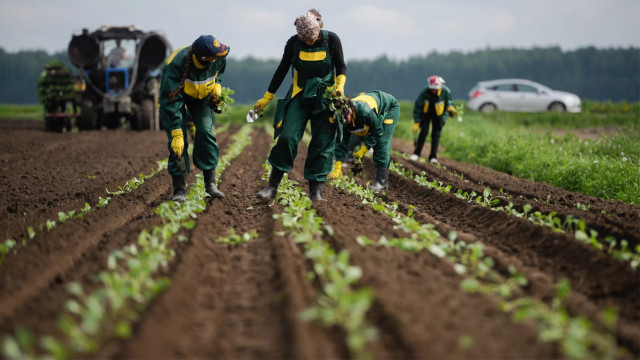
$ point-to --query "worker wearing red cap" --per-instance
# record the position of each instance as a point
(429, 108)
(191, 83)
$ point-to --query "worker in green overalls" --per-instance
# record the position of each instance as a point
(191, 83)
(373, 116)
(429, 108)
(314, 54)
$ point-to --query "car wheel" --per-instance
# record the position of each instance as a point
(557, 107)
(488, 107)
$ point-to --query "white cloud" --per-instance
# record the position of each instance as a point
(382, 20)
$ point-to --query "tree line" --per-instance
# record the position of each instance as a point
(609, 74)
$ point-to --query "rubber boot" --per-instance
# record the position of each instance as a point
(315, 190)
(210, 184)
(179, 188)
(382, 180)
(270, 191)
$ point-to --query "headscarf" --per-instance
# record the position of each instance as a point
(307, 26)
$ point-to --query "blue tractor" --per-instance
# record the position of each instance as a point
(120, 67)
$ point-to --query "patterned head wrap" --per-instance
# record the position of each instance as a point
(307, 26)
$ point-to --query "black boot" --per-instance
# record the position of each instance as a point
(179, 188)
(269, 191)
(382, 180)
(315, 190)
(210, 184)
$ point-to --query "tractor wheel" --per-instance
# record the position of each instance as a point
(144, 117)
(57, 124)
(88, 116)
(112, 120)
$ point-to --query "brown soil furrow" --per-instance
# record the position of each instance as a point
(33, 280)
(60, 172)
(619, 220)
(420, 309)
(244, 300)
(539, 249)
(235, 301)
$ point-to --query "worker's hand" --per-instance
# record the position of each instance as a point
(360, 153)
(337, 171)
(452, 111)
(177, 142)
(262, 103)
(340, 81)
(216, 91)
(416, 127)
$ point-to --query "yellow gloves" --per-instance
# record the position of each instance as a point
(416, 127)
(337, 171)
(262, 103)
(340, 81)
(452, 111)
(360, 153)
(216, 91)
(177, 143)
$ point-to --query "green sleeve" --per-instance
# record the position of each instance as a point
(375, 129)
(170, 80)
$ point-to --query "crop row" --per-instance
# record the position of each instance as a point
(12, 245)
(617, 249)
(128, 285)
(577, 337)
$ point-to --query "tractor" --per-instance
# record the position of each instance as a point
(120, 67)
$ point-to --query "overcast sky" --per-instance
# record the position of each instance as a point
(368, 29)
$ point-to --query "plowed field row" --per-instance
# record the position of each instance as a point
(244, 300)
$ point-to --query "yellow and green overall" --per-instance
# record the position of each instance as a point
(312, 74)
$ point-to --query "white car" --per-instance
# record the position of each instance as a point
(520, 95)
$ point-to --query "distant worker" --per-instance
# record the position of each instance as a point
(318, 63)
(117, 55)
(373, 116)
(429, 108)
(191, 82)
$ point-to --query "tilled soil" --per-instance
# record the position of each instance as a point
(243, 301)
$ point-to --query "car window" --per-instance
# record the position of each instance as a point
(527, 88)
(504, 87)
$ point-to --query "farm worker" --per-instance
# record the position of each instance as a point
(191, 82)
(318, 63)
(117, 55)
(373, 116)
(429, 108)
